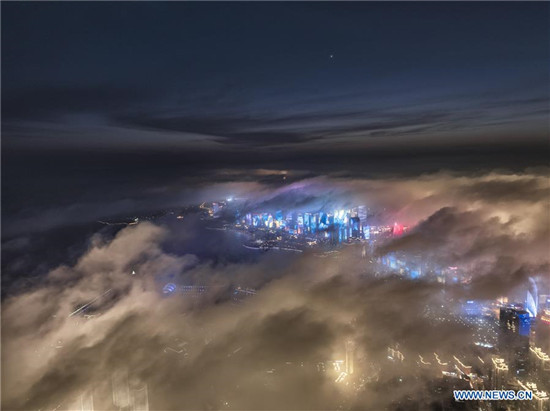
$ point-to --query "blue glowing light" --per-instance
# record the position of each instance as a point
(524, 324)
(169, 288)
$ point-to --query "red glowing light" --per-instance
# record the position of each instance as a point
(397, 229)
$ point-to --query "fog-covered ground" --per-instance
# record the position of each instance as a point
(305, 310)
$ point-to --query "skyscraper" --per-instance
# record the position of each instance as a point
(515, 327)
(121, 390)
(542, 338)
(87, 401)
(140, 398)
(540, 367)
(499, 375)
(350, 357)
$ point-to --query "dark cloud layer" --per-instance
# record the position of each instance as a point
(237, 81)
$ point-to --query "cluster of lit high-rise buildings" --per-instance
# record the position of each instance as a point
(348, 223)
(339, 225)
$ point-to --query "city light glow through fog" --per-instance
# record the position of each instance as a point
(275, 206)
(291, 332)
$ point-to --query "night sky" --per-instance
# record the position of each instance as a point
(129, 95)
